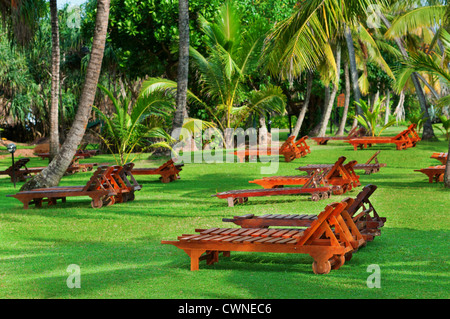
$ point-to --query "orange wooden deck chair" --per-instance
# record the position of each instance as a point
(365, 218)
(290, 149)
(342, 177)
(105, 187)
(169, 171)
(354, 132)
(327, 240)
(441, 157)
(20, 171)
(405, 139)
(312, 185)
(434, 173)
(368, 167)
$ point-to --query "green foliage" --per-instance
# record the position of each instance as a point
(121, 256)
(445, 126)
(371, 117)
(419, 120)
(126, 132)
(233, 56)
(25, 76)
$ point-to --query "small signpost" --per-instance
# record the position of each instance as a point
(12, 148)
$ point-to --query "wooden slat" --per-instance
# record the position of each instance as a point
(238, 231)
(250, 231)
(269, 232)
(290, 233)
(280, 233)
(260, 232)
(210, 230)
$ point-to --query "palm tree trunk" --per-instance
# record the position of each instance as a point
(388, 111)
(315, 130)
(52, 174)
(329, 106)
(301, 115)
(353, 69)
(54, 128)
(183, 67)
(347, 101)
(447, 170)
(428, 132)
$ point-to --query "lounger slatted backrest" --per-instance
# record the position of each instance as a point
(319, 227)
(287, 144)
(98, 179)
(127, 176)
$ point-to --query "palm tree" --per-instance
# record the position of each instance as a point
(429, 61)
(302, 42)
(125, 132)
(54, 127)
(183, 66)
(233, 55)
(53, 173)
(426, 16)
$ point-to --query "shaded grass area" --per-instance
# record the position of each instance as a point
(120, 256)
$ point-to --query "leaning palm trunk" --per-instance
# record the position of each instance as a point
(183, 68)
(301, 116)
(54, 130)
(51, 175)
(447, 170)
(329, 106)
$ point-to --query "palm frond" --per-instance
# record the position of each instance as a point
(425, 16)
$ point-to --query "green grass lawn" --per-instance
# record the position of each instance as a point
(120, 256)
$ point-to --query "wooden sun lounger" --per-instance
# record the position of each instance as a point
(169, 171)
(21, 172)
(354, 132)
(79, 153)
(105, 187)
(329, 249)
(366, 220)
(368, 167)
(441, 157)
(405, 139)
(342, 177)
(76, 166)
(435, 173)
(290, 149)
(311, 186)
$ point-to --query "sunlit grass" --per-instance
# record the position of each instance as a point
(119, 252)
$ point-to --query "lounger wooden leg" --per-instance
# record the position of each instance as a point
(230, 201)
(212, 257)
(195, 258)
(38, 202)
